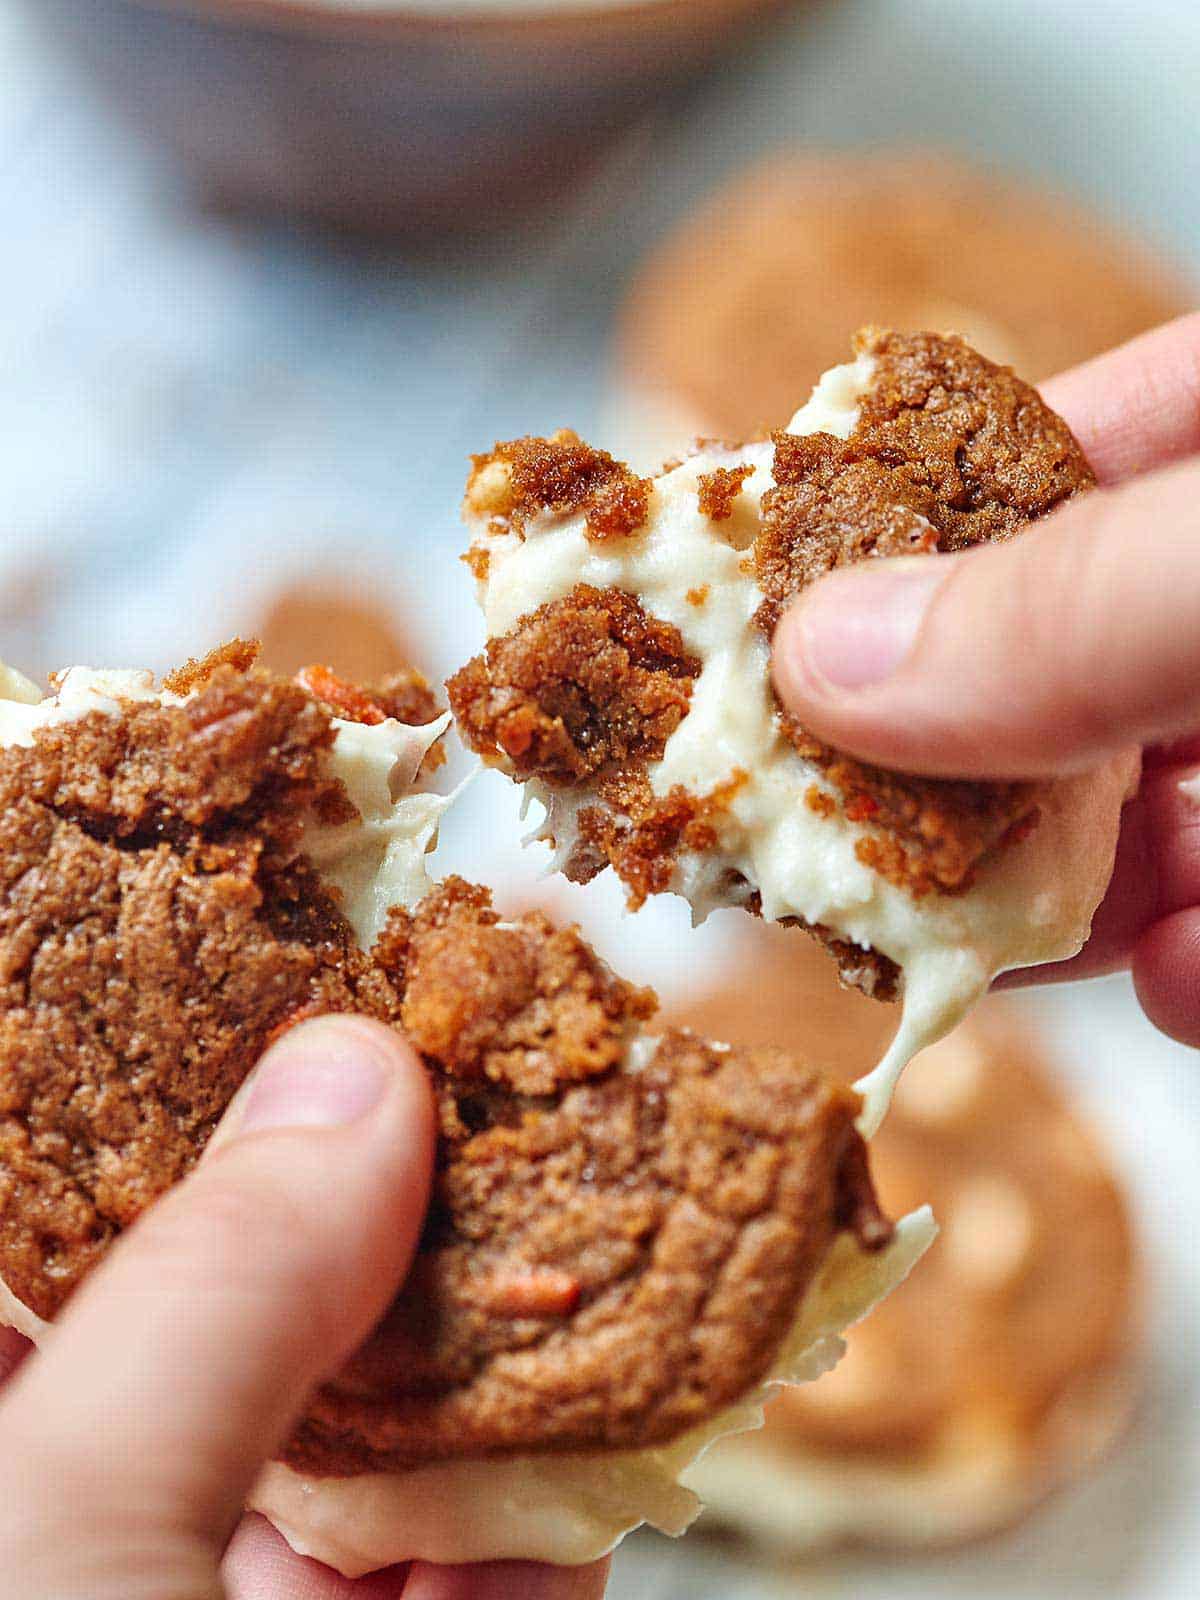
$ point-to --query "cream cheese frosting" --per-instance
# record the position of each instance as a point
(1031, 904)
(380, 859)
(80, 690)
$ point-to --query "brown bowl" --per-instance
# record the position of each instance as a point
(389, 117)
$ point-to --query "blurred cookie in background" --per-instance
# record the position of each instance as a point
(773, 988)
(749, 299)
(317, 619)
(1008, 1363)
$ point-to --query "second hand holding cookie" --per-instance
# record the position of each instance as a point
(1040, 657)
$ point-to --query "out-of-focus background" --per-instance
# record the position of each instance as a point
(218, 417)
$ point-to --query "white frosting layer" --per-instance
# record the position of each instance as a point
(1033, 904)
(80, 690)
(568, 1508)
(380, 861)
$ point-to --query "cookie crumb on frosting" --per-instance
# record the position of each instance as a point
(516, 480)
(718, 490)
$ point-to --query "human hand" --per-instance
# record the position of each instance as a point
(1040, 657)
(130, 1442)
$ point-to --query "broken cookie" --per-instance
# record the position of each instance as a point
(626, 681)
(630, 1235)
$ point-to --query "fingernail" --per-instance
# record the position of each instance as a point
(323, 1074)
(856, 628)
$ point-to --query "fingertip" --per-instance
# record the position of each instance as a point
(330, 1071)
(363, 1081)
(853, 629)
(873, 659)
(1166, 975)
(1137, 407)
(408, 1077)
(346, 1033)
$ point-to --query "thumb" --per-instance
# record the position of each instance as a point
(187, 1358)
(1021, 660)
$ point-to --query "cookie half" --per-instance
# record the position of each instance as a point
(630, 1235)
(626, 679)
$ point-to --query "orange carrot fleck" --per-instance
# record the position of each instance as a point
(862, 808)
(324, 684)
(541, 1292)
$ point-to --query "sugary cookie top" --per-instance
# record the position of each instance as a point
(978, 451)
(157, 922)
(600, 1223)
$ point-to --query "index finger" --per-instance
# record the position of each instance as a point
(1137, 407)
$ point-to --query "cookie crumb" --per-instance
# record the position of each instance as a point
(240, 654)
(518, 479)
(717, 491)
